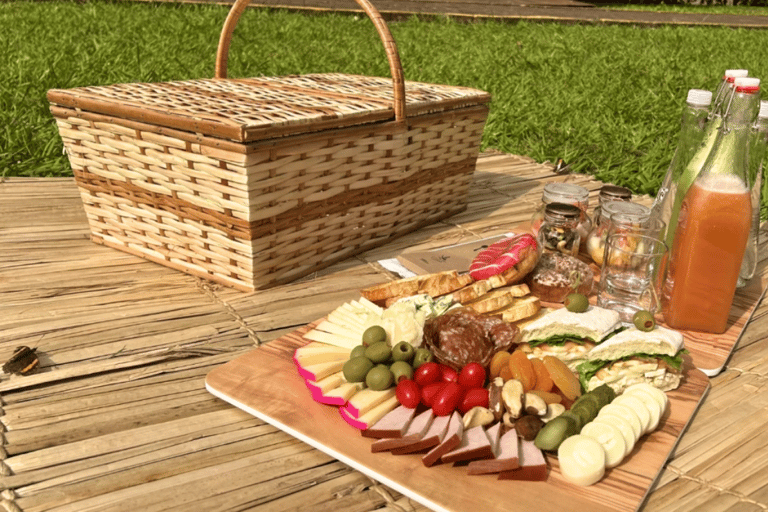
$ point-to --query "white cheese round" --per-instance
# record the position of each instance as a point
(627, 415)
(638, 407)
(582, 460)
(610, 438)
(654, 407)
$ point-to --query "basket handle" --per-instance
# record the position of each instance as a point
(395, 67)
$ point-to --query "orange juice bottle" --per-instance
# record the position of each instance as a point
(713, 225)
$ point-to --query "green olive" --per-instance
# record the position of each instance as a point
(357, 351)
(576, 303)
(421, 356)
(644, 320)
(403, 351)
(401, 370)
(374, 334)
(378, 352)
(379, 378)
(356, 369)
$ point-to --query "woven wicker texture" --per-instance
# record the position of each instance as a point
(256, 182)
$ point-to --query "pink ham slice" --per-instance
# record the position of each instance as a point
(393, 424)
(505, 451)
(415, 431)
(474, 445)
(450, 441)
(432, 437)
(533, 466)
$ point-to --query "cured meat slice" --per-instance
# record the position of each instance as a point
(533, 466)
(450, 441)
(474, 445)
(506, 456)
(416, 431)
(432, 437)
(393, 424)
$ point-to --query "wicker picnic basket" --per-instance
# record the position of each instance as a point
(256, 182)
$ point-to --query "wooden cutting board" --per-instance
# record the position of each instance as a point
(265, 383)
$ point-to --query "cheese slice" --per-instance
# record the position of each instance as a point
(326, 384)
(321, 370)
(367, 399)
(332, 339)
(595, 323)
(354, 333)
(310, 357)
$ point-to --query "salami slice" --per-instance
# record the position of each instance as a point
(502, 256)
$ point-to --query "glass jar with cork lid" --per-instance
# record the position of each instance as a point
(564, 193)
(559, 232)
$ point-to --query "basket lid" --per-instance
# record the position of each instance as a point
(251, 109)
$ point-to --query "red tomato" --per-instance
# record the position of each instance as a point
(472, 376)
(447, 399)
(472, 398)
(427, 373)
(408, 393)
(448, 374)
(429, 392)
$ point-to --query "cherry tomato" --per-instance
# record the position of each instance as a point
(472, 376)
(408, 393)
(448, 374)
(427, 374)
(472, 398)
(429, 392)
(447, 399)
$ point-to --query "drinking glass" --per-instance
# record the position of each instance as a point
(632, 274)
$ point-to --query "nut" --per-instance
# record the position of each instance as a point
(528, 426)
(507, 420)
(535, 405)
(477, 416)
(512, 395)
(553, 411)
(494, 398)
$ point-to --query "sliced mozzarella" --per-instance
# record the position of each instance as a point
(627, 414)
(650, 402)
(582, 460)
(610, 438)
(638, 407)
(660, 396)
(624, 426)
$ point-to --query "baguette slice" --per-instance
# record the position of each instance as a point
(434, 285)
(491, 301)
(472, 291)
(520, 309)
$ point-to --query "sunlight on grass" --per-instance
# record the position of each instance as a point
(606, 98)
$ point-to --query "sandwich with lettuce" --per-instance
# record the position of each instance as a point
(634, 356)
(569, 335)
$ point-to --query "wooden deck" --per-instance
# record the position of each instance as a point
(118, 417)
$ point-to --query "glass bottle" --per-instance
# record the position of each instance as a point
(559, 232)
(714, 224)
(565, 193)
(596, 238)
(758, 144)
(609, 193)
(694, 118)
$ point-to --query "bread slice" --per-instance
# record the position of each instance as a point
(495, 299)
(472, 291)
(520, 309)
(434, 285)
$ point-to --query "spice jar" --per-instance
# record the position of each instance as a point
(559, 231)
(565, 193)
(610, 212)
(610, 193)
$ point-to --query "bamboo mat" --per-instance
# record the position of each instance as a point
(118, 417)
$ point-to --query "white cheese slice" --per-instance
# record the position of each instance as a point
(638, 407)
(328, 383)
(610, 438)
(321, 370)
(625, 413)
(314, 357)
(595, 323)
(353, 333)
(582, 460)
(649, 400)
(332, 339)
(366, 400)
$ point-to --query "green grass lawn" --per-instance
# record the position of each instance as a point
(606, 98)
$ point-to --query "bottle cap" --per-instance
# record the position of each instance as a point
(750, 85)
(699, 97)
(732, 74)
(614, 193)
(763, 109)
(562, 211)
(625, 208)
(564, 193)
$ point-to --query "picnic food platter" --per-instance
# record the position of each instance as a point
(264, 382)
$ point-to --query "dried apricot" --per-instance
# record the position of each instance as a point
(543, 380)
(565, 380)
(506, 373)
(522, 369)
(550, 398)
(498, 361)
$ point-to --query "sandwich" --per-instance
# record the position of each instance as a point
(568, 335)
(634, 356)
